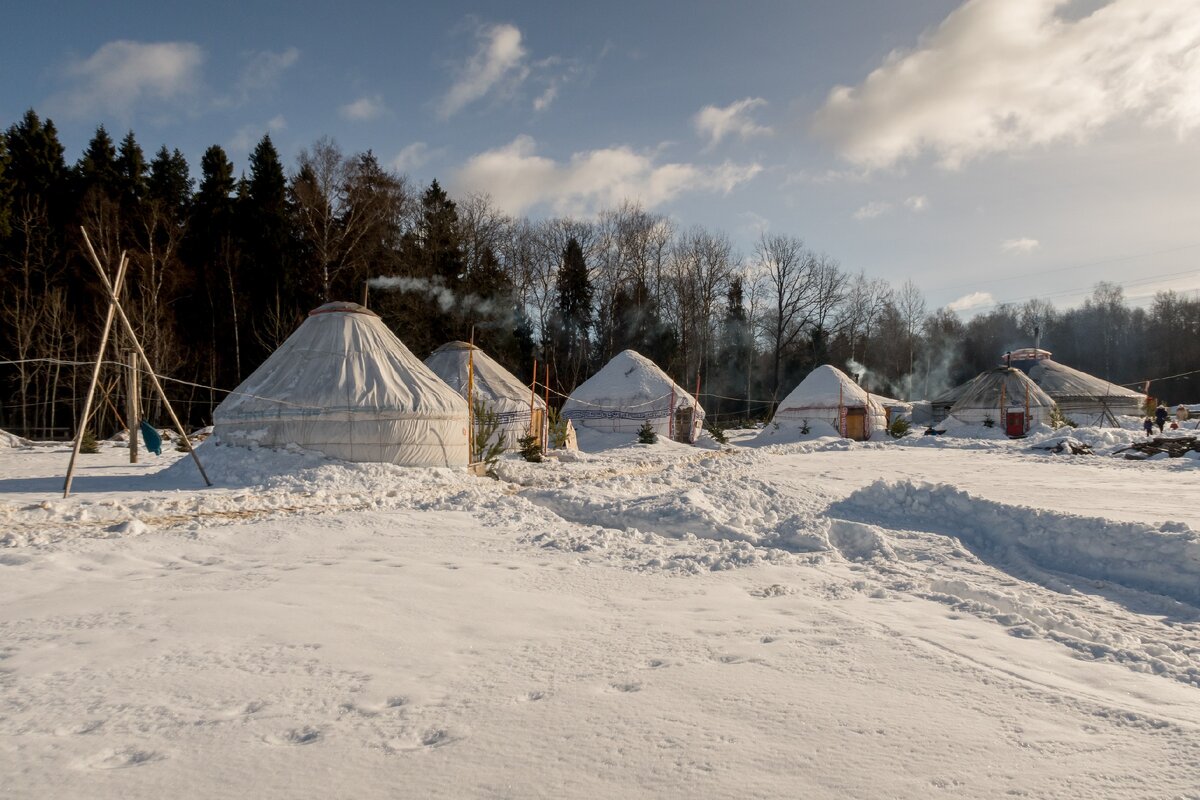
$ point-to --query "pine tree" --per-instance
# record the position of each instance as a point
(264, 229)
(97, 168)
(572, 320)
(214, 259)
(170, 182)
(130, 167)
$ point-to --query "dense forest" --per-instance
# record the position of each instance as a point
(224, 267)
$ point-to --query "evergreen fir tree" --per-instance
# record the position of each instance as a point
(97, 168)
(264, 229)
(572, 320)
(130, 167)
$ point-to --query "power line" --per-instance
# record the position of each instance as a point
(1034, 273)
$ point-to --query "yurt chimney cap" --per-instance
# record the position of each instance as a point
(342, 307)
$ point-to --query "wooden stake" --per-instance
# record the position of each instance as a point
(145, 361)
(91, 392)
(546, 417)
(471, 400)
(532, 395)
(131, 404)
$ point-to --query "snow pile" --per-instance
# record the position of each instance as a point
(791, 432)
(247, 483)
(12, 440)
(1163, 560)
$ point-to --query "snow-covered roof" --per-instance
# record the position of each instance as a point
(984, 391)
(627, 381)
(825, 387)
(891, 402)
(497, 386)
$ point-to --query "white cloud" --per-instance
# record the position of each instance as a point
(1007, 75)
(411, 157)
(518, 179)
(264, 68)
(873, 209)
(1023, 246)
(543, 100)
(123, 73)
(917, 203)
(363, 109)
(499, 58)
(971, 301)
(248, 136)
(715, 123)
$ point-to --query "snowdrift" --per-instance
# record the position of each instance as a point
(1163, 560)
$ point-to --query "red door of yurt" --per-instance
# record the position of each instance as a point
(1015, 423)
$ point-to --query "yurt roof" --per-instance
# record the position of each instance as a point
(1060, 381)
(951, 396)
(492, 382)
(891, 402)
(984, 390)
(343, 359)
(628, 380)
(825, 387)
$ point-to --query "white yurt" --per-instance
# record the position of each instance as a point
(1083, 398)
(829, 396)
(344, 385)
(517, 408)
(629, 391)
(1007, 398)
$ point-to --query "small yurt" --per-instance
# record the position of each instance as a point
(893, 408)
(519, 411)
(629, 391)
(1007, 398)
(1082, 398)
(344, 385)
(830, 396)
(939, 406)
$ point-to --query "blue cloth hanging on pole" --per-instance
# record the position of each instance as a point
(151, 438)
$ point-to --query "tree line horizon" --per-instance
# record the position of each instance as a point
(223, 269)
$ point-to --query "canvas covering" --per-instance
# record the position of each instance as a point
(343, 384)
(499, 389)
(1083, 397)
(980, 398)
(627, 392)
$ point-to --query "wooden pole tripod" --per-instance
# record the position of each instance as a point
(113, 289)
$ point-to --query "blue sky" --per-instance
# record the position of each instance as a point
(991, 150)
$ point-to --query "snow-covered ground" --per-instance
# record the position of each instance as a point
(938, 617)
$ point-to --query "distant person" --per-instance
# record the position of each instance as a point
(1160, 417)
(1181, 413)
(1149, 426)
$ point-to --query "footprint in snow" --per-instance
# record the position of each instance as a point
(123, 758)
(656, 663)
(626, 687)
(428, 740)
(532, 697)
(295, 736)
